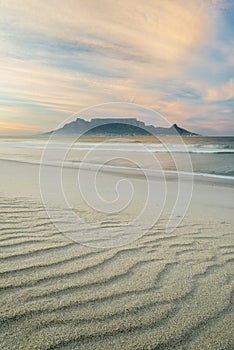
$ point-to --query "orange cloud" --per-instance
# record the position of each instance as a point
(224, 92)
(157, 31)
(137, 41)
(14, 127)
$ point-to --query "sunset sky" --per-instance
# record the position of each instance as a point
(175, 56)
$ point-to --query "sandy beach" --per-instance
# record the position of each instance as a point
(162, 291)
(117, 175)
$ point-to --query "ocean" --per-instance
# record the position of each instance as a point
(207, 156)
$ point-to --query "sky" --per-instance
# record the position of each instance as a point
(173, 56)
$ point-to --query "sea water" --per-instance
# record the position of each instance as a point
(209, 156)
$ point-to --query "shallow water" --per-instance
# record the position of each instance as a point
(204, 155)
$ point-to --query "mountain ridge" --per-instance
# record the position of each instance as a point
(117, 127)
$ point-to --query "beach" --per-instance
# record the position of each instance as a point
(163, 290)
(117, 175)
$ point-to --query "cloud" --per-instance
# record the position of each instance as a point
(108, 38)
(224, 92)
(19, 128)
(153, 29)
(58, 57)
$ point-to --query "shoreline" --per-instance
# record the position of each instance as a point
(210, 198)
(215, 179)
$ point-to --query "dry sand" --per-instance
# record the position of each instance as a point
(163, 291)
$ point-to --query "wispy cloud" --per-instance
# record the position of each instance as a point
(223, 92)
(57, 57)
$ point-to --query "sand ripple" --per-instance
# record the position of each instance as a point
(164, 291)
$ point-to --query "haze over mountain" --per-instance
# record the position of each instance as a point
(118, 127)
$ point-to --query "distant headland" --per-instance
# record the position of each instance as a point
(117, 127)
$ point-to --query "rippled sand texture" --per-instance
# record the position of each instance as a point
(164, 291)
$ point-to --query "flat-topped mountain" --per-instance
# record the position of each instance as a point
(117, 127)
